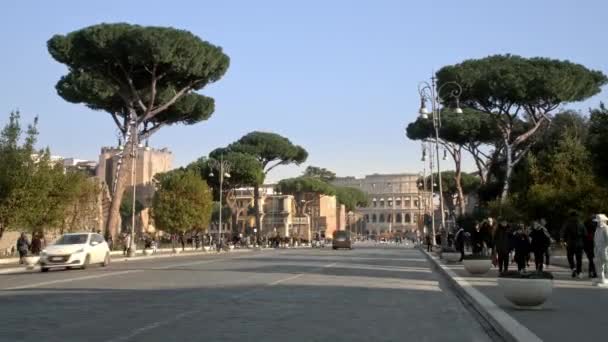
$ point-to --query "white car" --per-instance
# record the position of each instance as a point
(75, 250)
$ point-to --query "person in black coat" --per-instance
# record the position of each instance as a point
(521, 244)
(502, 245)
(539, 242)
(23, 246)
(459, 240)
(573, 236)
(589, 246)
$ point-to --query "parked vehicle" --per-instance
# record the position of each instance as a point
(342, 240)
(75, 250)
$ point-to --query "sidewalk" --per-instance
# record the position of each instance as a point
(575, 310)
(13, 266)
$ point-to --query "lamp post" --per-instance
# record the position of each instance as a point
(134, 144)
(430, 92)
(223, 167)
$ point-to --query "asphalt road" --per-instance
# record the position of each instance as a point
(367, 294)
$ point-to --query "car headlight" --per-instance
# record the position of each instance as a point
(79, 251)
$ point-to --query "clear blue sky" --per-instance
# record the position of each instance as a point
(338, 77)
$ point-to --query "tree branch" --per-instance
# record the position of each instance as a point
(152, 89)
(134, 92)
(148, 132)
(523, 137)
(153, 112)
(117, 122)
(273, 166)
(521, 154)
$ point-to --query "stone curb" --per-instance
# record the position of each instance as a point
(23, 269)
(502, 323)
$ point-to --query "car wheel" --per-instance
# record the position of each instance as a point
(44, 269)
(106, 260)
(86, 262)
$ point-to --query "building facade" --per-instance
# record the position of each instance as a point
(280, 215)
(396, 204)
(148, 163)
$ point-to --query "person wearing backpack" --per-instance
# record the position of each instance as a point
(540, 243)
(589, 245)
(573, 236)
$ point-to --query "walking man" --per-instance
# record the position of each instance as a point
(601, 248)
(459, 240)
(573, 235)
(589, 245)
(540, 243)
(429, 243)
(502, 245)
(22, 247)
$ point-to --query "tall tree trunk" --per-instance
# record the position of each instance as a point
(256, 208)
(124, 167)
(509, 171)
(458, 179)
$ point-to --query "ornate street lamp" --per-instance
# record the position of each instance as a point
(223, 168)
(429, 92)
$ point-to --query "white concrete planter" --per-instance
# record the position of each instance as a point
(477, 266)
(600, 283)
(526, 293)
(31, 261)
(176, 250)
(148, 251)
(230, 247)
(206, 248)
(450, 256)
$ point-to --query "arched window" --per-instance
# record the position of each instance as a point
(408, 218)
(367, 218)
(381, 202)
(398, 217)
(390, 202)
(381, 218)
(398, 202)
(373, 218)
(389, 218)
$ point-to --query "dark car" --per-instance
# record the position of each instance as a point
(341, 240)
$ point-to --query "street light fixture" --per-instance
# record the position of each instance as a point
(223, 167)
(430, 92)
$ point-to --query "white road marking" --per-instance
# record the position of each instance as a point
(153, 325)
(111, 274)
(59, 281)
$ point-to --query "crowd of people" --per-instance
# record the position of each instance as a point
(517, 243)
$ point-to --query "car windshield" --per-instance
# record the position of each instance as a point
(341, 235)
(72, 239)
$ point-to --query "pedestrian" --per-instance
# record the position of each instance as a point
(539, 243)
(182, 240)
(522, 249)
(485, 235)
(154, 245)
(36, 246)
(573, 236)
(502, 245)
(459, 240)
(23, 245)
(127, 247)
(589, 246)
(601, 248)
(429, 243)
(543, 223)
(477, 239)
(197, 241)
